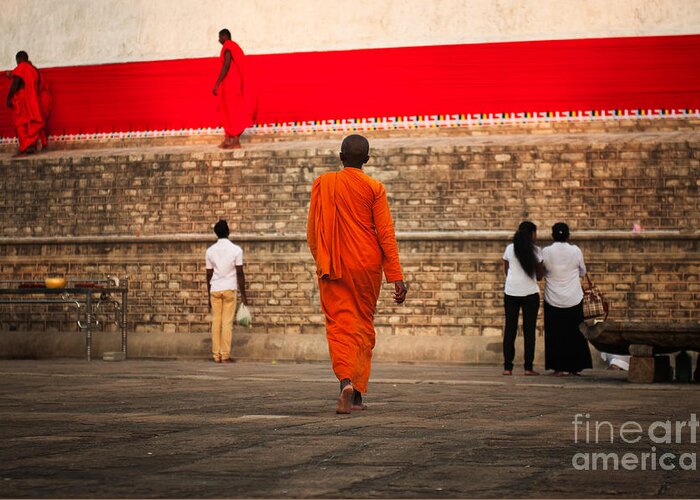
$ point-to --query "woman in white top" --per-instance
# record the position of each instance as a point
(565, 347)
(522, 264)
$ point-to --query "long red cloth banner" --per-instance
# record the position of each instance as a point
(594, 74)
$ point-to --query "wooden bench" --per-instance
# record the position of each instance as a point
(647, 343)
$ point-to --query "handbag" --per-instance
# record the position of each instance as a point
(243, 316)
(594, 304)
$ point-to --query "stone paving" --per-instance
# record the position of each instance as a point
(142, 429)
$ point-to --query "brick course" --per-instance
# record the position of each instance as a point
(455, 286)
(595, 186)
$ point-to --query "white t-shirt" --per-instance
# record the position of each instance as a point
(518, 283)
(223, 257)
(563, 264)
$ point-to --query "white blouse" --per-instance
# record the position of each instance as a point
(519, 284)
(563, 264)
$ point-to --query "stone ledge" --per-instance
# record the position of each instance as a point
(297, 237)
(205, 147)
(256, 347)
(252, 136)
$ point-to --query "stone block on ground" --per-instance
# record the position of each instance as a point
(648, 370)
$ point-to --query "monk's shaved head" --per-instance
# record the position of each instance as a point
(21, 56)
(354, 152)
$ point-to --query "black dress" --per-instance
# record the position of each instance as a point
(565, 347)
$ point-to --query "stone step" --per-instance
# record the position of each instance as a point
(594, 181)
(255, 136)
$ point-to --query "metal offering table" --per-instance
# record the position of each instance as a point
(88, 297)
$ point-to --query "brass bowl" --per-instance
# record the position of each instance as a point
(55, 282)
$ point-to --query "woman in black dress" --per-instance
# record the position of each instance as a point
(566, 349)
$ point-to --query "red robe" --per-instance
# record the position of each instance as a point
(45, 104)
(351, 236)
(236, 101)
(27, 116)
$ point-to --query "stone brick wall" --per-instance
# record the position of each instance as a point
(455, 286)
(433, 185)
(147, 213)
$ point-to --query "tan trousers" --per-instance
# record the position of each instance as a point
(223, 306)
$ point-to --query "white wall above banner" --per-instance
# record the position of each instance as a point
(81, 32)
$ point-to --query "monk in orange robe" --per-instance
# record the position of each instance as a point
(236, 105)
(30, 102)
(351, 236)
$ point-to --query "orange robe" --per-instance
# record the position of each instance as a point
(351, 236)
(236, 101)
(27, 116)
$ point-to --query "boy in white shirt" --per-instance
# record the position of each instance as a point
(225, 277)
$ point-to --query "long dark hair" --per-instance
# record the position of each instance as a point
(525, 248)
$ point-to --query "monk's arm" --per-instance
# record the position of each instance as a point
(224, 70)
(387, 239)
(16, 84)
(311, 222)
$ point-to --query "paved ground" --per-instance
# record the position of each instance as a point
(177, 429)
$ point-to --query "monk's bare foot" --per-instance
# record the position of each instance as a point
(574, 374)
(357, 403)
(22, 154)
(531, 373)
(345, 400)
(614, 367)
(236, 145)
(558, 374)
(507, 372)
(227, 143)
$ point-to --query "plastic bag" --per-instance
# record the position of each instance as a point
(243, 316)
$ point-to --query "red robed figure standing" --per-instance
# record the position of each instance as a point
(351, 236)
(236, 106)
(30, 101)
